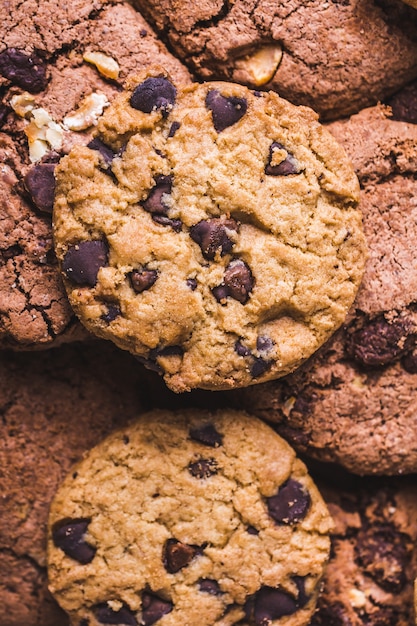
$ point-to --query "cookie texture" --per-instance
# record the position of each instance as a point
(185, 518)
(354, 402)
(337, 57)
(369, 579)
(209, 230)
(55, 79)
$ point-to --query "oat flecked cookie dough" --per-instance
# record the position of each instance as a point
(210, 230)
(189, 518)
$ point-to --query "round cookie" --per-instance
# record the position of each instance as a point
(55, 78)
(337, 57)
(354, 402)
(369, 579)
(211, 231)
(185, 518)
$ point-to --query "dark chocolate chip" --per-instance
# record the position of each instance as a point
(241, 349)
(269, 604)
(174, 127)
(68, 535)
(404, 104)
(238, 280)
(126, 439)
(251, 530)
(192, 283)
(203, 468)
(409, 362)
(209, 585)
(164, 220)
(260, 366)
(154, 94)
(106, 615)
(382, 552)
(113, 311)
(291, 504)
(288, 166)
(153, 608)
(106, 152)
(212, 236)
(27, 71)
(150, 365)
(264, 343)
(220, 293)
(40, 183)
(154, 203)
(207, 435)
(141, 280)
(380, 342)
(82, 261)
(300, 583)
(226, 111)
(177, 555)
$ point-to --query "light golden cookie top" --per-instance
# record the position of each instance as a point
(189, 518)
(212, 231)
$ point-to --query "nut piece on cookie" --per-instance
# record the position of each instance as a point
(222, 226)
(191, 517)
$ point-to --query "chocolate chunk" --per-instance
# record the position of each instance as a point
(154, 203)
(113, 311)
(269, 604)
(212, 236)
(238, 280)
(288, 166)
(259, 367)
(106, 152)
(164, 220)
(154, 94)
(27, 71)
(142, 279)
(40, 183)
(208, 585)
(291, 504)
(178, 555)
(207, 435)
(203, 468)
(220, 293)
(192, 283)
(251, 530)
(241, 349)
(82, 261)
(68, 535)
(404, 104)
(300, 583)
(153, 608)
(174, 127)
(264, 343)
(409, 362)
(106, 615)
(380, 342)
(382, 552)
(226, 111)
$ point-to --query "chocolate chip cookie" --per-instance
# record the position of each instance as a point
(185, 518)
(336, 57)
(369, 579)
(56, 76)
(211, 231)
(354, 402)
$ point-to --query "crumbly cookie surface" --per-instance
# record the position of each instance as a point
(354, 402)
(215, 235)
(185, 518)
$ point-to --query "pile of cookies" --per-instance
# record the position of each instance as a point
(227, 193)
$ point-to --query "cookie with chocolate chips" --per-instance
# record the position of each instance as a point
(354, 402)
(221, 226)
(189, 517)
(56, 76)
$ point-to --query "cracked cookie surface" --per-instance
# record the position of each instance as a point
(185, 518)
(209, 230)
(337, 57)
(354, 401)
(54, 77)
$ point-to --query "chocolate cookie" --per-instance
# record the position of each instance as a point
(210, 230)
(354, 402)
(336, 57)
(369, 579)
(188, 518)
(54, 405)
(56, 76)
